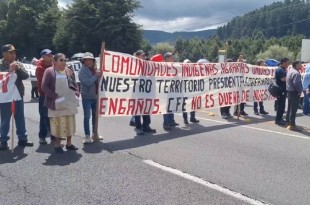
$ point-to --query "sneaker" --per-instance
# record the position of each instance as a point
(25, 143)
(167, 127)
(42, 141)
(96, 138)
(174, 124)
(280, 122)
(132, 124)
(186, 122)
(256, 112)
(87, 140)
(236, 114)
(139, 131)
(194, 120)
(4, 146)
(294, 128)
(243, 113)
(148, 129)
(263, 112)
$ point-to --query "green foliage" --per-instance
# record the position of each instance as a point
(162, 48)
(87, 23)
(34, 25)
(276, 52)
(279, 19)
(252, 49)
(28, 24)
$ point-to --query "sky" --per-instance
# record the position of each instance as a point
(189, 15)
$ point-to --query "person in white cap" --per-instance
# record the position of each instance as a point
(89, 78)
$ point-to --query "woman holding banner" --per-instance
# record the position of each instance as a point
(60, 99)
(89, 77)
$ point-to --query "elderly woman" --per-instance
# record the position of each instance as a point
(89, 78)
(61, 101)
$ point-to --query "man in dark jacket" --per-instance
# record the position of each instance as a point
(294, 89)
(280, 76)
(8, 64)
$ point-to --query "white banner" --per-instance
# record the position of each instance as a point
(131, 86)
(8, 89)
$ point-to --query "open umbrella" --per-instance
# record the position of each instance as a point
(271, 62)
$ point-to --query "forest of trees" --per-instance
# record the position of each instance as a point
(34, 25)
(279, 19)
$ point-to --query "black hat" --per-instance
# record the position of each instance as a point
(7, 48)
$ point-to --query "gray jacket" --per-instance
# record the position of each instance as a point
(88, 83)
(293, 81)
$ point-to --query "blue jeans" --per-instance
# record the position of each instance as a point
(5, 110)
(168, 118)
(306, 108)
(44, 121)
(89, 106)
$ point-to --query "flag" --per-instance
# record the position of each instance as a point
(8, 89)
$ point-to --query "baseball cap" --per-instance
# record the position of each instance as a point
(7, 48)
(46, 52)
(88, 55)
(157, 58)
(140, 52)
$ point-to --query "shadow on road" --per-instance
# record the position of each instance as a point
(66, 158)
(147, 139)
(95, 147)
(7, 156)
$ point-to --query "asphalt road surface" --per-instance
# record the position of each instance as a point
(245, 161)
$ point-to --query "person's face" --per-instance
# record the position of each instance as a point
(298, 66)
(9, 56)
(286, 64)
(48, 59)
(169, 59)
(89, 62)
(60, 63)
(141, 56)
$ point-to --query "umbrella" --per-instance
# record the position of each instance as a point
(271, 62)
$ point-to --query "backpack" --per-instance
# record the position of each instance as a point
(274, 89)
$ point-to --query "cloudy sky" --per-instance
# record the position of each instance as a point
(190, 15)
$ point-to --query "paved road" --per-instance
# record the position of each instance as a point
(246, 161)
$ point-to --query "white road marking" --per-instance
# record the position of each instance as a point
(255, 128)
(259, 129)
(210, 185)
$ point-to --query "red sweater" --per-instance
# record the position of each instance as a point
(41, 67)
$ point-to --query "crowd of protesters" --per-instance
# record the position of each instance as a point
(59, 93)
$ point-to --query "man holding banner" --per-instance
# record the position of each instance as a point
(12, 97)
(169, 121)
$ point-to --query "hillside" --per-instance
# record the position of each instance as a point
(289, 17)
(160, 36)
